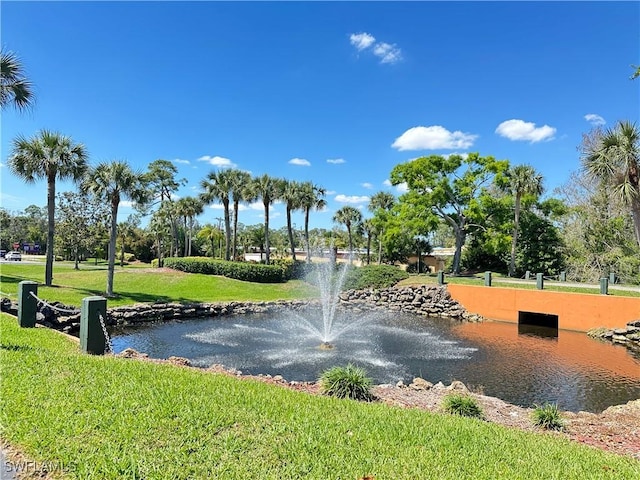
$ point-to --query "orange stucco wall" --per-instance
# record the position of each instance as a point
(575, 311)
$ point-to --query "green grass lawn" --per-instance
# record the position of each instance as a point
(103, 417)
(503, 282)
(134, 284)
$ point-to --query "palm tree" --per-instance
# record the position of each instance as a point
(522, 180)
(218, 186)
(350, 217)
(380, 204)
(15, 88)
(189, 208)
(312, 198)
(241, 191)
(292, 194)
(52, 156)
(212, 235)
(112, 182)
(615, 161)
(369, 230)
(269, 189)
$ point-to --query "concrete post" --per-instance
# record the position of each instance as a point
(539, 281)
(604, 286)
(563, 276)
(92, 339)
(527, 275)
(440, 277)
(27, 304)
(487, 279)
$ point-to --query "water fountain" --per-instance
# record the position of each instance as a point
(394, 346)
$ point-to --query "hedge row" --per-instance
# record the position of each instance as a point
(249, 272)
(374, 276)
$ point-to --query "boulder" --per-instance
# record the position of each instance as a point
(420, 384)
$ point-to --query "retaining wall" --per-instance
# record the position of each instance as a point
(575, 311)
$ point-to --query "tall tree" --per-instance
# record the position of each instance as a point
(292, 194)
(160, 227)
(380, 205)
(113, 182)
(52, 156)
(218, 186)
(449, 188)
(312, 198)
(268, 189)
(126, 230)
(80, 224)
(597, 231)
(369, 229)
(162, 184)
(15, 88)
(521, 180)
(189, 208)
(615, 161)
(241, 191)
(350, 217)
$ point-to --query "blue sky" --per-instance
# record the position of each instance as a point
(334, 92)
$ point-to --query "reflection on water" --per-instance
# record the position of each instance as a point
(520, 366)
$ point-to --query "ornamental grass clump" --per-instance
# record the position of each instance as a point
(462, 405)
(347, 382)
(547, 416)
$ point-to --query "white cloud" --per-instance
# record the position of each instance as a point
(241, 207)
(330, 192)
(336, 161)
(217, 161)
(126, 204)
(179, 160)
(353, 199)
(367, 185)
(361, 40)
(300, 161)
(432, 138)
(387, 53)
(400, 188)
(515, 129)
(594, 119)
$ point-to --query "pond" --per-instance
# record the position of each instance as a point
(521, 366)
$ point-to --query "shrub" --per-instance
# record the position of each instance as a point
(293, 270)
(374, 276)
(463, 405)
(346, 382)
(548, 417)
(249, 272)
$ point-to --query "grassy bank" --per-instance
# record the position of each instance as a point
(111, 418)
(134, 284)
(505, 282)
